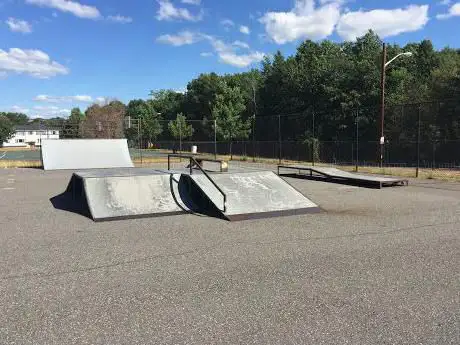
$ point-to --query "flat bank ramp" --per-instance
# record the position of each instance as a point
(108, 195)
(75, 154)
(340, 175)
(257, 194)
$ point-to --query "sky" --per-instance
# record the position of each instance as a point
(58, 54)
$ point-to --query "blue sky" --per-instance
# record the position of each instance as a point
(57, 54)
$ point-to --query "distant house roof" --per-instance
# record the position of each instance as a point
(34, 126)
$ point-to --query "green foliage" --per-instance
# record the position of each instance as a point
(16, 118)
(179, 128)
(6, 129)
(167, 102)
(72, 128)
(150, 119)
(227, 110)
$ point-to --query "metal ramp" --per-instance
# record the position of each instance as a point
(344, 176)
(130, 193)
(250, 195)
(76, 154)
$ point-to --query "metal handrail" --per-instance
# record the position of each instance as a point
(192, 159)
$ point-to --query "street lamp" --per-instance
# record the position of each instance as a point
(385, 64)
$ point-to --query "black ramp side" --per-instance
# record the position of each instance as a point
(256, 194)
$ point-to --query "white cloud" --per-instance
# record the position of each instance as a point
(168, 11)
(191, 2)
(445, 2)
(182, 38)
(18, 25)
(241, 61)
(120, 19)
(303, 21)
(48, 111)
(102, 100)
(31, 62)
(74, 7)
(206, 54)
(454, 11)
(19, 109)
(63, 99)
(385, 23)
(245, 30)
(227, 53)
(241, 44)
(227, 23)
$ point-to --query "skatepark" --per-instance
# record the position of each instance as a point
(178, 268)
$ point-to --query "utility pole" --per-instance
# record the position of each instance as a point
(254, 123)
(215, 139)
(382, 104)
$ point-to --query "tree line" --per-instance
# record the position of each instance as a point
(332, 84)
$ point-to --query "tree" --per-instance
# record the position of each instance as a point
(6, 129)
(150, 119)
(227, 110)
(73, 124)
(104, 122)
(16, 118)
(167, 102)
(179, 128)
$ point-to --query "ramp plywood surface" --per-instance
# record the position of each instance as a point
(73, 154)
(252, 193)
(133, 196)
(345, 175)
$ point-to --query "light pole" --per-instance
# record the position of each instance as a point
(385, 65)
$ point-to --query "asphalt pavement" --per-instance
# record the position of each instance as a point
(375, 267)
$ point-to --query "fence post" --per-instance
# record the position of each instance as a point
(254, 139)
(313, 142)
(418, 141)
(139, 142)
(215, 139)
(279, 137)
(180, 139)
(357, 141)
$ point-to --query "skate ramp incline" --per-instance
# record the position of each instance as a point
(258, 194)
(340, 175)
(108, 195)
(75, 154)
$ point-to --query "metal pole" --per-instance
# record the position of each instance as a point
(382, 104)
(215, 139)
(139, 143)
(254, 138)
(313, 142)
(357, 140)
(418, 141)
(180, 140)
(279, 137)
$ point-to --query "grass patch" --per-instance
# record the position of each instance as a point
(5, 164)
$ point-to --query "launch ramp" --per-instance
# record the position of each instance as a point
(76, 154)
(344, 176)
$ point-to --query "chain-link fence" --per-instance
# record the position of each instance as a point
(417, 136)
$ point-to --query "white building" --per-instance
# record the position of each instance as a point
(31, 135)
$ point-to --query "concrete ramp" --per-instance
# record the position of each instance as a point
(109, 195)
(75, 154)
(251, 195)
